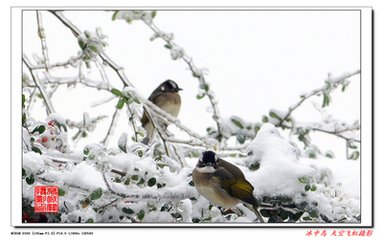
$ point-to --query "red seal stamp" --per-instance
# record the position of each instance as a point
(46, 199)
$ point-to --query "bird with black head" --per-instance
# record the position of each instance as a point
(223, 183)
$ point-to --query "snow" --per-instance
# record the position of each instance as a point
(282, 172)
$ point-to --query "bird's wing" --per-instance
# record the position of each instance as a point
(235, 184)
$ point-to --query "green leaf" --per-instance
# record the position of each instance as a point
(136, 100)
(168, 46)
(23, 101)
(86, 151)
(354, 155)
(307, 187)
(205, 87)
(237, 123)
(200, 96)
(127, 210)
(39, 128)
(24, 119)
(93, 48)
(116, 92)
(96, 194)
(142, 181)
(313, 188)
(314, 213)
(191, 183)
(120, 103)
(303, 180)
(274, 115)
(329, 154)
(82, 44)
(61, 192)
(114, 15)
(265, 119)
(254, 166)
(241, 138)
(141, 215)
(176, 215)
(326, 100)
(90, 220)
(152, 182)
(30, 179)
(36, 150)
(154, 13)
(134, 177)
(127, 181)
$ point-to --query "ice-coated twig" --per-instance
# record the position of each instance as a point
(131, 119)
(42, 36)
(48, 103)
(112, 127)
(314, 92)
(109, 188)
(68, 63)
(340, 134)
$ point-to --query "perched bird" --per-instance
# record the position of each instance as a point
(166, 97)
(223, 183)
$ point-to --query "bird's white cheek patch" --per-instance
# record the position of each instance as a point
(206, 169)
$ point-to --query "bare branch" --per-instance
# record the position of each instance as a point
(112, 127)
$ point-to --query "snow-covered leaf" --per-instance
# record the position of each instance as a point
(39, 128)
(96, 194)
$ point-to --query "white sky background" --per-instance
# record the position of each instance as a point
(257, 60)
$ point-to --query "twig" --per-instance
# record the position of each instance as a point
(112, 127)
(64, 64)
(313, 93)
(131, 118)
(48, 103)
(337, 133)
(110, 189)
(42, 36)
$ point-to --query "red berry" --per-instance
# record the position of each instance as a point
(51, 123)
(44, 139)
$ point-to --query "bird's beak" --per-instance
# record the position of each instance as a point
(179, 89)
